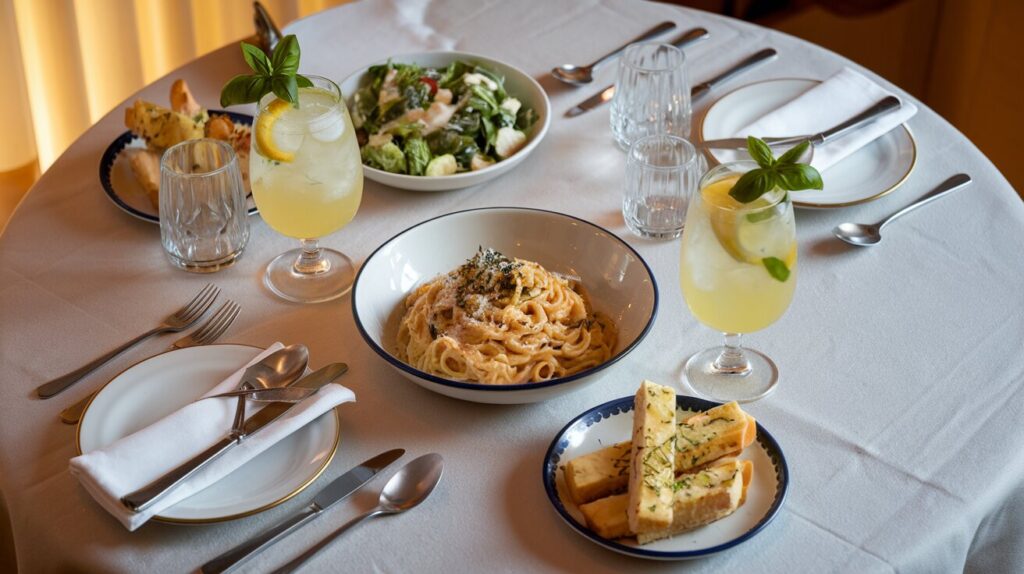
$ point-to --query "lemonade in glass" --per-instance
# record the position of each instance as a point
(738, 271)
(307, 180)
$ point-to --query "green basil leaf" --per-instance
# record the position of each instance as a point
(776, 268)
(793, 154)
(285, 59)
(760, 151)
(243, 90)
(285, 87)
(256, 59)
(303, 81)
(752, 184)
(798, 176)
(761, 215)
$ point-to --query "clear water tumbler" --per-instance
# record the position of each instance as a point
(203, 212)
(652, 93)
(662, 171)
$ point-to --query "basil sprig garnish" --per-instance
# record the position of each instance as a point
(783, 172)
(278, 74)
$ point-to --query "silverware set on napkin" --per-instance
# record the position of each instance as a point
(279, 369)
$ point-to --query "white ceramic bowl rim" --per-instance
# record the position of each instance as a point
(522, 386)
(538, 131)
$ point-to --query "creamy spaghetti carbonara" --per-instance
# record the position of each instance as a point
(502, 321)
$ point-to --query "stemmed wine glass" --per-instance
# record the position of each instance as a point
(738, 273)
(307, 180)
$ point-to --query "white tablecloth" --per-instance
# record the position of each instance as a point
(902, 373)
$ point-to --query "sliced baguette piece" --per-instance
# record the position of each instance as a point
(652, 458)
(598, 474)
(145, 166)
(701, 498)
(721, 431)
(162, 127)
(724, 430)
(704, 497)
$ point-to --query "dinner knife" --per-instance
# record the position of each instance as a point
(333, 493)
(880, 108)
(605, 95)
(696, 92)
(144, 497)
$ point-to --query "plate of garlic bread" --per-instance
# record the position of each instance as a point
(130, 166)
(665, 476)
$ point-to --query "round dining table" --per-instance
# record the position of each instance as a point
(902, 365)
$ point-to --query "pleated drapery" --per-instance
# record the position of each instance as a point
(68, 62)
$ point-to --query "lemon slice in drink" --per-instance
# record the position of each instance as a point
(744, 235)
(274, 145)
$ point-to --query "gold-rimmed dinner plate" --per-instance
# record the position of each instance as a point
(160, 385)
(869, 173)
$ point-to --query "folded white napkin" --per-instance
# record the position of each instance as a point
(136, 460)
(837, 99)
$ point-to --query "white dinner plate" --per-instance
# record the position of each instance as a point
(612, 423)
(124, 190)
(160, 385)
(869, 173)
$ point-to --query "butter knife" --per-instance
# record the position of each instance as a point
(605, 95)
(696, 92)
(144, 497)
(880, 108)
(333, 493)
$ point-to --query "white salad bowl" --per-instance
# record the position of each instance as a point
(518, 84)
(617, 280)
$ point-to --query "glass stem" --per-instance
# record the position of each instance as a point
(732, 361)
(311, 260)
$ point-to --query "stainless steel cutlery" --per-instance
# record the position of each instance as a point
(144, 497)
(333, 493)
(207, 333)
(698, 91)
(180, 320)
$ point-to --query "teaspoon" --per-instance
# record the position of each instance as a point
(407, 488)
(579, 75)
(862, 234)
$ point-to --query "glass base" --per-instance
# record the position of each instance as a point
(752, 380)
(332, 278)
(204, 266)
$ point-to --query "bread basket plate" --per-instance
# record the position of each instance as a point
(612, 422)
(119, 182)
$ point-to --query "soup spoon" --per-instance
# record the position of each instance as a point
(407, 488)
(580, 75)
(862, 234)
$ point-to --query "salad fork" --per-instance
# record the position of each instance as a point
(209, 332)
(178, 321)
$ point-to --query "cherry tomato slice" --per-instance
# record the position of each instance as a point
(430, 82)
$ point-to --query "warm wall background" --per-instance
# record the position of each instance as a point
(68, 62)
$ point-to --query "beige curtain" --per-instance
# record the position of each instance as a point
(68, 62)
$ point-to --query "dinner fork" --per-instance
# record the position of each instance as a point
(178, 321)
(209, 332)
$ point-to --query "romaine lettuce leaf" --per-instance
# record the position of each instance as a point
(417, 155)
(388, 157)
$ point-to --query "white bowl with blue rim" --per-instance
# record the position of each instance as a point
(618, 281)
(518, 84)
(611, 423)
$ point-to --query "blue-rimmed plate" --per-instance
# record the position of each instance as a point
(611, 423)
(120, 185)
